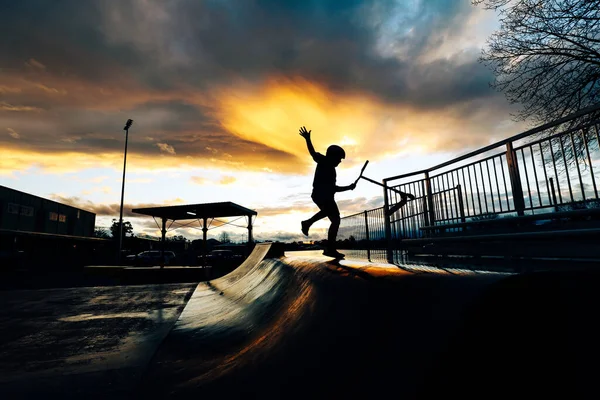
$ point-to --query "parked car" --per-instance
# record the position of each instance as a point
(150, 257)
(222, 257)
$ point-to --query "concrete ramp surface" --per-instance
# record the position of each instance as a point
(302, 327)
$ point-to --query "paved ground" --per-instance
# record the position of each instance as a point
(83, 342)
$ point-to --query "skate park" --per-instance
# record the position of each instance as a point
(287, 200)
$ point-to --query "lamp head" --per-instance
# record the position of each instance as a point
(128, 124)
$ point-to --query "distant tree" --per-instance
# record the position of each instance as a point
(485, 217)
(546, 55)
(177, 238)
(224, 237)
(100, 232)
(127, 229)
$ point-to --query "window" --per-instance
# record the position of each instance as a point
(78, 214)
(53, 216)
(27, 211)
(62, 218)
(13, 208)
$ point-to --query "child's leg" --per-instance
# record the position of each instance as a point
(330, 208)
(308, 223)
(333, 230)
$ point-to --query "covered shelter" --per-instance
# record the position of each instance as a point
(203, 212)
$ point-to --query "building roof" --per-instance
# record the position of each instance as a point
(196, 211)
(51, 235)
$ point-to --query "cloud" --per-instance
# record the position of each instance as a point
(109, 210)
(139, 180)
(33, 63)
(13, 133)
(280, 236)
(4, 106)
(227, 180)
(51, 90)
(166, 148)
(8, 89)
(98, 179)
(198, 180)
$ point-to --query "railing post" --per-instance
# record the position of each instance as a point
(461, 205)
(553, 194)
(387, 224)
(424, 205)
(430, 208)
(367, 236)
(515, 179)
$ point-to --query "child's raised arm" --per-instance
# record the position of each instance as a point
(306, 135)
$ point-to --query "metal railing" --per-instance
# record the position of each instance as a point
(365, 232)
(545, 169)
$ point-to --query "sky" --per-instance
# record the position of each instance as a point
(218, 90)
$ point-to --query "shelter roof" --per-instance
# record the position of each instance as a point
(195, 211)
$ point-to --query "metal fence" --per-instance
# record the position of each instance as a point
(365, 233)
(550, 168)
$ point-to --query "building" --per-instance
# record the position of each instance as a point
(21, 211)
(42, 234)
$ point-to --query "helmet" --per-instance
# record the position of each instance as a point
(335, 151)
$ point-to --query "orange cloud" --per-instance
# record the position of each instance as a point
(8, 89)
(367, 128)
(14, 134)
(227, 180)
(198, 180)
(33, 63)
(4, 106)
(262, 118)
(164, 147)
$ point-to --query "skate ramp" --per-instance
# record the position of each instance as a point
(304, 327)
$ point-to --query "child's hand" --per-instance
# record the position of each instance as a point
(304, 133)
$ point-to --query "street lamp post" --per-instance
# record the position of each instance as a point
(126, 129)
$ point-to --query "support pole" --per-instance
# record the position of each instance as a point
(553, 195)
(515, 179)
(388, 227)
(461, 203)
(250, 237)
(430, 208)
(367, 237)
(162, 242)
(204, 247)
(126, 129)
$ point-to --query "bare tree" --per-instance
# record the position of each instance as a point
(546, 55)
(224, 237)
(101, 232)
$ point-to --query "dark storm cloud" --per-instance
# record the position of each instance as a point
(65, 34)
(333, 42)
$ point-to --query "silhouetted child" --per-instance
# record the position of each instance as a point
(324, 189)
